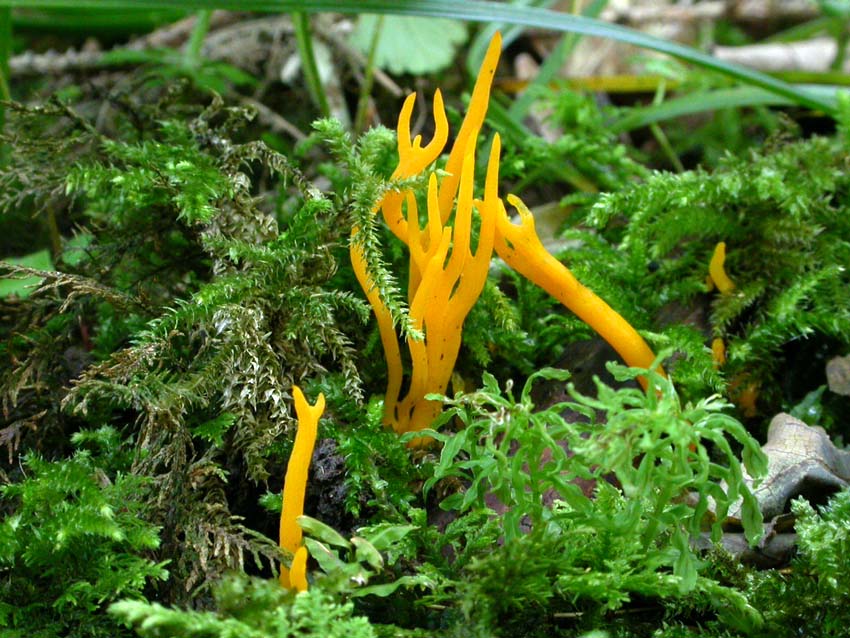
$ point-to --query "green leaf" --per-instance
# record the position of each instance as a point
(323, 532)
(74, 252)
(387, 535)
(23, 287)
(410, 44)
(366, 552)
(685, 566)
(751, 518)
(328, 561)
(272, 501)
(386, 589)
(810, 409)
(703, 101)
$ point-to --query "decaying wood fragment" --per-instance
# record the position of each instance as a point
(838, 375)
(802, 461)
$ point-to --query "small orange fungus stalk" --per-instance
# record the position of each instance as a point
(452, 281)
(716, 272)
(718, 352)
(294, 486)
(298, 571)
(523, 251)
(745, 394)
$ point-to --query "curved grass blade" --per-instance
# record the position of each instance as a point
(703, 101)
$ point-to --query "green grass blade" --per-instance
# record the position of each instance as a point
(552, 64)
(368, 78)
(5, 54)
(114, 23)
(309, 67)
(703, 101)
(196, 40)
(510, 32)
(475, 11)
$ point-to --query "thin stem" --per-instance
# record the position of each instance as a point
(662, 499)
(304, 40)
(841, 39)
(196, 39)
(368, 78)
(55, 235)
(5, 52)
(659, 135)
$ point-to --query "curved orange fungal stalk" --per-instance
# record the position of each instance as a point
(451, 283)
(424, 368)
(445, 277)
(386, 328)
(717, 272)
(523, 251)
(294, 487)
(476, 267)
(412, 161)
(413, 158)
(466, 138)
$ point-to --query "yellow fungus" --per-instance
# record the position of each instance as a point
(298, 571)
(468, 134)
(717, 273)
(386, 329)
(446, 277)
(294, 486)
(745, 394)
(523, 251)
(718, 352)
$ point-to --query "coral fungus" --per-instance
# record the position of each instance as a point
(294, 487)
(523, 251)
(446, 276)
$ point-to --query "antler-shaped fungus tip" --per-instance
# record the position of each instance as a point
(294, 487)
(413, 158)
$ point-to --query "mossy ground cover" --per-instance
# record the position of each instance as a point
(175, 263)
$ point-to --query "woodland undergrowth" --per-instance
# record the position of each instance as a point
(197, 275)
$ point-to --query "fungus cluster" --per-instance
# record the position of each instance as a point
(446, 276)
(743, 391)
